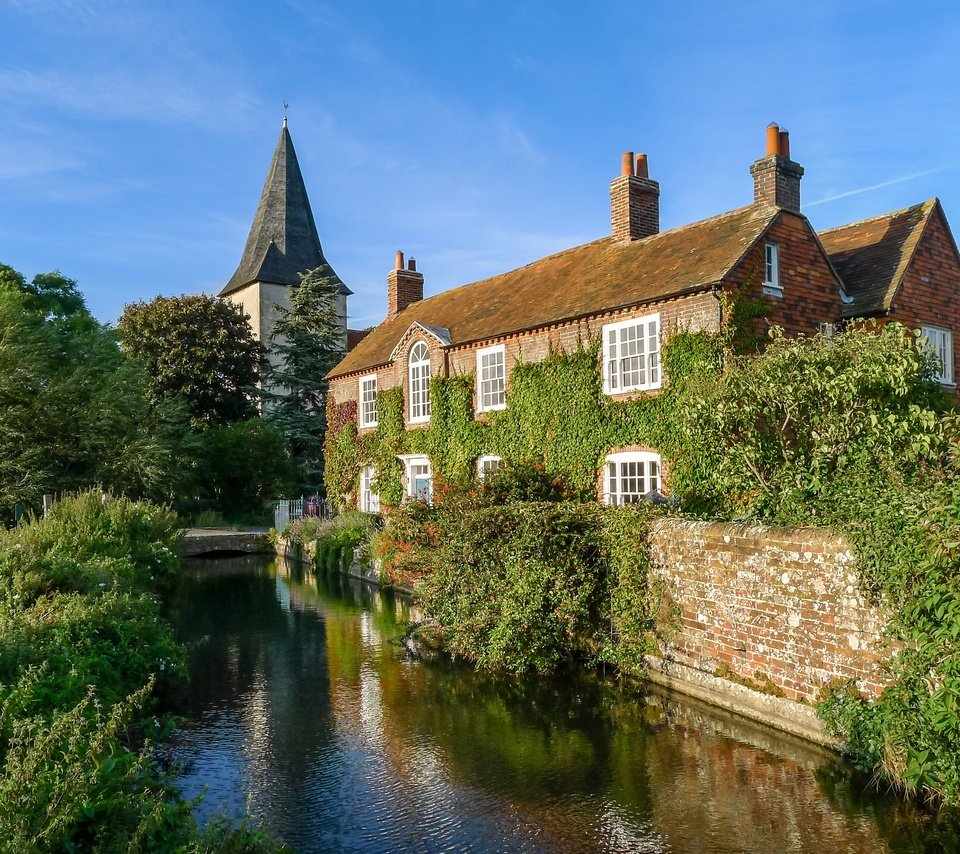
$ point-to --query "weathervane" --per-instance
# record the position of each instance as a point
(286, 106)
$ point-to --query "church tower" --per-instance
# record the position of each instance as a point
(283, 242)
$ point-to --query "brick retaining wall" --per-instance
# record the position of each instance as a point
(774, 601)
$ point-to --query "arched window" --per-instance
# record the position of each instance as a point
(419, 385)
(631, 476)
(369, 500)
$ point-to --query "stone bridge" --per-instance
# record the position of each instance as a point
(201, 541)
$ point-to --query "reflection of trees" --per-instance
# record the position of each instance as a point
(260, 661)
(340, 716)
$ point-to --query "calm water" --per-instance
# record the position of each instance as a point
(303, 713)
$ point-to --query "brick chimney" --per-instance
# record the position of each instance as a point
(634, 200)
(404, 286)
(776, 178)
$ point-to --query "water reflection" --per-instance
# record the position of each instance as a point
(304, 714)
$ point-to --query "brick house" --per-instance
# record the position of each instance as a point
(636, 286)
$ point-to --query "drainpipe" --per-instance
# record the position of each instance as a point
(715, 290)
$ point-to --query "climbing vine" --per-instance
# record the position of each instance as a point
(557, 415)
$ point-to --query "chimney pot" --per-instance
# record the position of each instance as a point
(634, 200)
(404, 286)
(773, 139)
(785, 144)
(776, 178)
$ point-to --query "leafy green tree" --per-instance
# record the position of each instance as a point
(196, 348)
(308, 343)
(72, 408)
(244, 464)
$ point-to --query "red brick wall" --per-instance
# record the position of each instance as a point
(694, 312)
(781, 602)
(810, 290)
(931, 286)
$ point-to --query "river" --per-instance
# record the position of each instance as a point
(304, 713)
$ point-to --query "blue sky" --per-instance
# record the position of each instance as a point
(476, 136)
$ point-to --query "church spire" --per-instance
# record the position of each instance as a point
(283, 240)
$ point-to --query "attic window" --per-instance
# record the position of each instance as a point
(771, 275)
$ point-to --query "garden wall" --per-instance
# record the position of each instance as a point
(776, 606)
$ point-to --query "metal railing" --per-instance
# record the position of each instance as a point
(287, 510)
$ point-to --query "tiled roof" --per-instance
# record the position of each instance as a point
(585, 280)
(283, 240)
(872, 255)
(355, 336)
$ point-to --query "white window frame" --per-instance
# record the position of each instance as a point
(411, 463)
(483, 465)
(771, 270)
(369, 500)
(648, 367)
(368, 418)
(418, 376)
(628, 475)
(494, 380)
(939, 344)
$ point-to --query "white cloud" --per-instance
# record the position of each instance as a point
(869, 188)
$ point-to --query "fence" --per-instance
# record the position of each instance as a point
(288, 510)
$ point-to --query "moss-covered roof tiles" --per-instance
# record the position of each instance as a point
(577, 282)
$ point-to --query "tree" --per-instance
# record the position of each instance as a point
(308, 342)
(72, 409)
(196, 348)
(242, 465)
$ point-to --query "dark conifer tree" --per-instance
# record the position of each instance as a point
(307, 342)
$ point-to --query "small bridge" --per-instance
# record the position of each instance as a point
(202, 541)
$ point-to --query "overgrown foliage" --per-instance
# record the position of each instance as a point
(82, 648)
(853, 433)
(516, 584)
(849, 431)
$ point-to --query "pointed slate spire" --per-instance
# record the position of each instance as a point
(283, 240)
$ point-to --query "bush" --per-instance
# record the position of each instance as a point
(525, 585)
(82, 647)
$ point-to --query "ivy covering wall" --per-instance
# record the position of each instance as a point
(556, 414)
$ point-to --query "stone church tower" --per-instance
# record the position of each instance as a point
(282, 243)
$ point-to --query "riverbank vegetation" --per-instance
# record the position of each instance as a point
(848, 431)
(83, 652)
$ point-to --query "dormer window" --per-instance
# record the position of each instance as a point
(419, 385)
(771, 276)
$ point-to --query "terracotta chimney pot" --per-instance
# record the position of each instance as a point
(773, 139)
(642, 168)
(785, 144)
(626, 163)
(399, 264)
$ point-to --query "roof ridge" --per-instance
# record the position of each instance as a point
(772, 209)
(889, 214)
